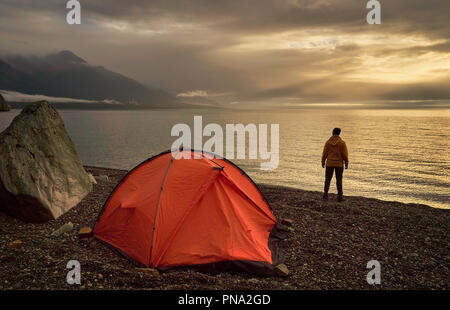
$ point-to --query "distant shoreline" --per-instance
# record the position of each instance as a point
(106, 106)
(290, 188)
(287, 188)
(101, 106)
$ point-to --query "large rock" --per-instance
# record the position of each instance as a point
(3, 105)
(41, 176)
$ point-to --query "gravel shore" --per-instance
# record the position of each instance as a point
(329, 247)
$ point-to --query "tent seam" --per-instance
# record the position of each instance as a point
(196, 199)
(157, 207)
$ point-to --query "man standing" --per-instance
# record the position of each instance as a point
(335, 155)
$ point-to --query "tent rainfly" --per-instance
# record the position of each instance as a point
(172, 212)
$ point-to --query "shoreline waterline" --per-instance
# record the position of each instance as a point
(395, 155)
(285, 187)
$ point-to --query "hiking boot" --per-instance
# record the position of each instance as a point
(325, 196)
(340, 198)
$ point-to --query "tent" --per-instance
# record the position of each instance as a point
(204, 213)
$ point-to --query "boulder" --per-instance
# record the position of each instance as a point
(3, 105)
(41, 175)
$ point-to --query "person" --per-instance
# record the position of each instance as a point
(334, 157)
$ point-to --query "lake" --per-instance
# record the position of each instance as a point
(394, 154)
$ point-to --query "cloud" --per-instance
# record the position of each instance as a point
(201, 93)
(14, 96)
(314, 50)
(193, 93)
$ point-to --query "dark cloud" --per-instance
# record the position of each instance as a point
(262, 16)
(338, 91)
(253, 49)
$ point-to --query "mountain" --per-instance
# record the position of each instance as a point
(65, 74)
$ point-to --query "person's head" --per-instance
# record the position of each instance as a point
(336, 131)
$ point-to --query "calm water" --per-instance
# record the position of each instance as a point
(394, 154)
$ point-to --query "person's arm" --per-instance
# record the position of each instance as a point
(345, 155)
(324, 154)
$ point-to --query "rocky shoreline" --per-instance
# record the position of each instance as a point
(328, 248)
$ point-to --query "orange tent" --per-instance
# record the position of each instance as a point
(171, 211)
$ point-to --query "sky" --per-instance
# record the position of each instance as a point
(233, 51)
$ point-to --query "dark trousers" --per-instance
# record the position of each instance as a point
(329, 175)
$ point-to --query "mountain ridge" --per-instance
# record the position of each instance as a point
(64, 74)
